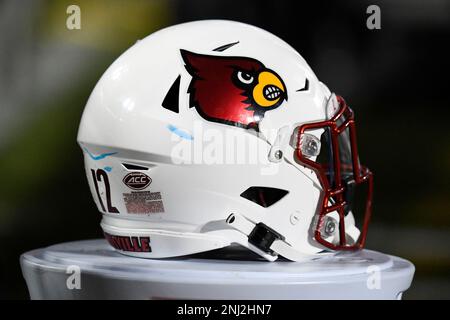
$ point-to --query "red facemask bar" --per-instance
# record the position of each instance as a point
(338, 176)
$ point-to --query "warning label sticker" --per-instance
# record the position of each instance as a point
(143, 202)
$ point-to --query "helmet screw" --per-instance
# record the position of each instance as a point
(278, 154)
(295, 218)
(330, 227)
(231, 218)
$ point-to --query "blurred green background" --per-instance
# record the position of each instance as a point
(395, 78)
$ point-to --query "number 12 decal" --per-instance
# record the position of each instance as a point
(98, 176)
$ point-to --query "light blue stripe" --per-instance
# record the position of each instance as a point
(182, 134)
(100, 156)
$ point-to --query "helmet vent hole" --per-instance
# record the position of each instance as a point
(130, 166)
(170, 101)
(264, 196)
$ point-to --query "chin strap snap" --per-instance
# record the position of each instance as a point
(265, 241)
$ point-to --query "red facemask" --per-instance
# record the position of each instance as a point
(340, 174)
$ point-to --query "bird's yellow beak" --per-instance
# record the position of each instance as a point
(269, 89)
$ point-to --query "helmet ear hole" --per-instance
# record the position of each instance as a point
(264, 196)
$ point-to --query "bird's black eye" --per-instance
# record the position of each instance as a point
(244, 77)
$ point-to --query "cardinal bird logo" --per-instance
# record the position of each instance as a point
(232, 90)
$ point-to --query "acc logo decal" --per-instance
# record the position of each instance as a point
(137, 180)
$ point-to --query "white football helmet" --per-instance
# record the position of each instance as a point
(212, 133)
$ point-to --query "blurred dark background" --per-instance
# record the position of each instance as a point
(396, 79)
